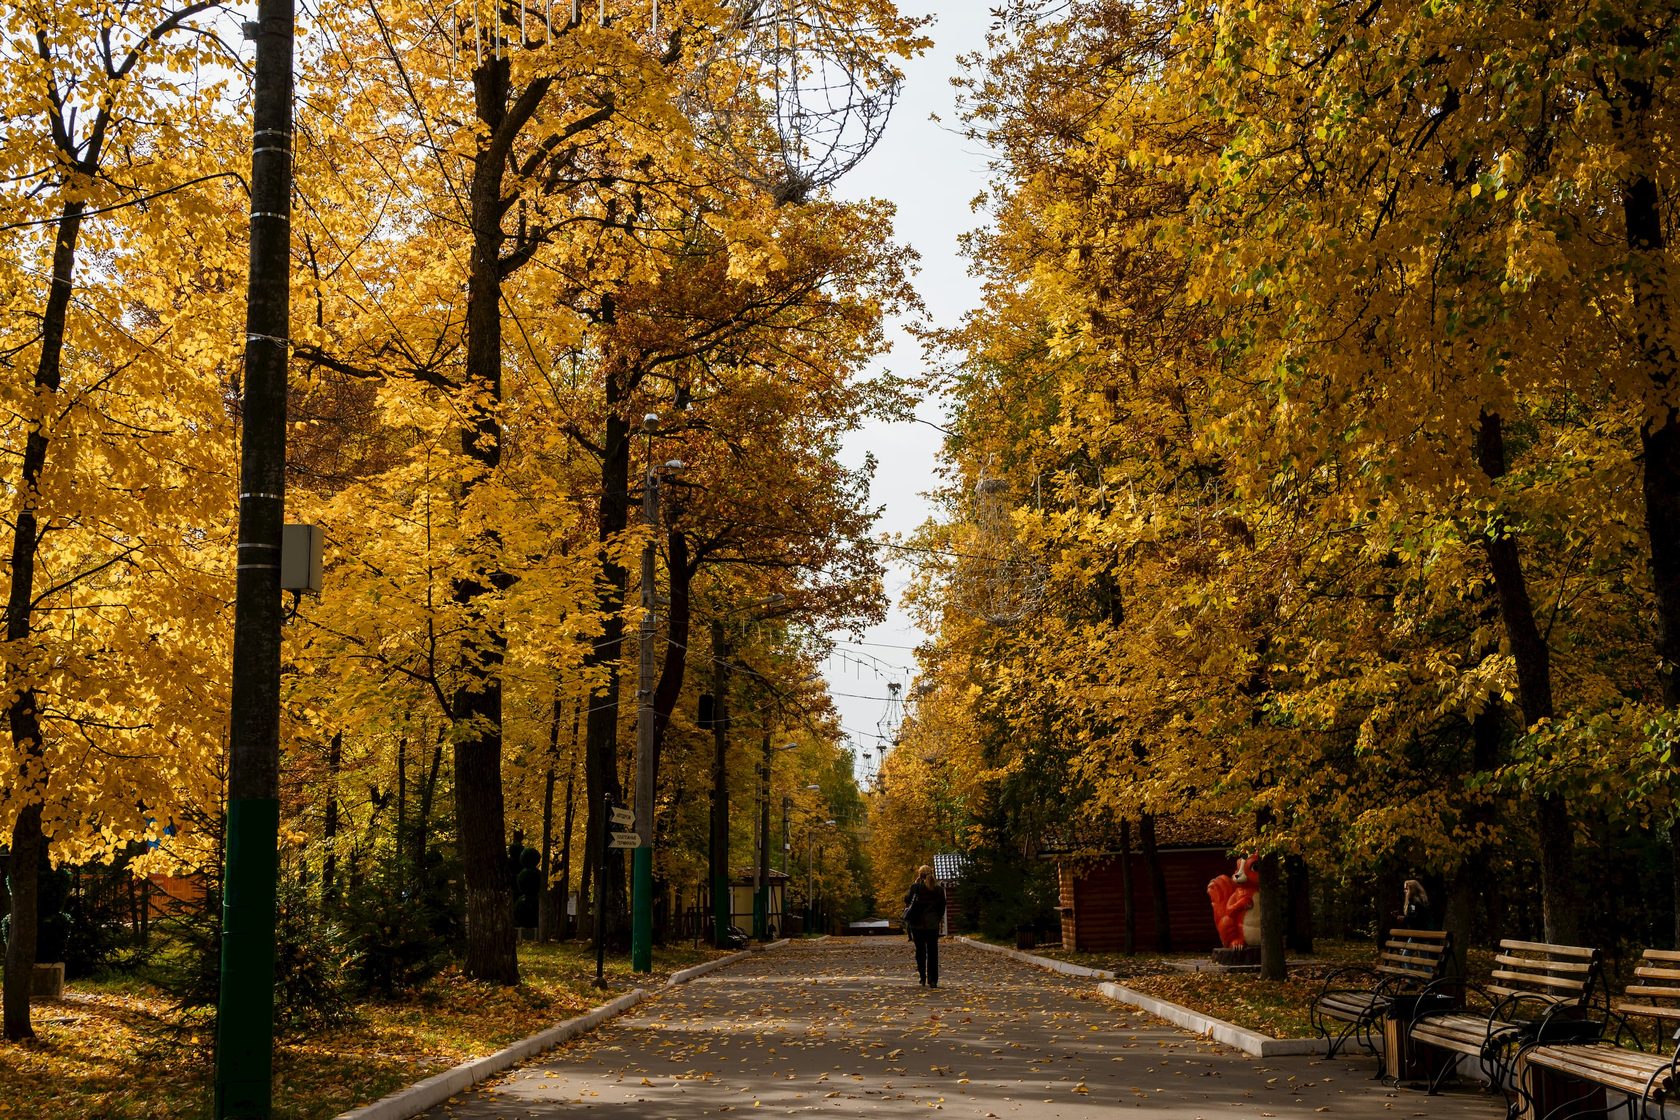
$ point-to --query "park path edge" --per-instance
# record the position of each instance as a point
(439, 1087)
(1249, 1042)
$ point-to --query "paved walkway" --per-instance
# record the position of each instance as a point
(841, 1027)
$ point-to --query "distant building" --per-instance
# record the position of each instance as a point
(950, 868)
(1093, 899)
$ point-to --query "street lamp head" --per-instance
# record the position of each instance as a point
(789, 746)
(674, 464)
(830, 824)
(813, 785)
(650, 422)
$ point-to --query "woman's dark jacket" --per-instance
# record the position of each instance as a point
(927, 906)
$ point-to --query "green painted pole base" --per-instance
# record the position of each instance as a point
(761, 915)
(245, 1010)
(641, 909)
(722, 904)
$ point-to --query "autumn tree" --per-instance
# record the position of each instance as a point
(113, 426)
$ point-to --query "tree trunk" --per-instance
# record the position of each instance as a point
(1649, 273)
(329, 828)
(1274, 918)
(717, 853)
(23, 884)
(563, 920)
(545, 893)
(1128, 888)
(1299, 937)
(401, 830)
(1558, 888)
(476, 706)
(545, 930)
(423, 816)
(1157, 883)
(23, 717)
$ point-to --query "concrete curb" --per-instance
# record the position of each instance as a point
(1049, 963)
(700, 970)
(438, 1088)
(1249, 1042)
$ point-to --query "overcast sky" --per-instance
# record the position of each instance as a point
(931, 174)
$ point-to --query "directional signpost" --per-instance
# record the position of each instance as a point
(624, 818)
(617, 818)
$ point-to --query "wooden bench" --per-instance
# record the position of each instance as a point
(1534, 985)
(1646, 1077)
(1407, 963)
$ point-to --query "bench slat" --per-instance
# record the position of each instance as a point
(1575, 985)
(1532, 965)
(1577, 1061)
(1651, 991)
(1649, 1010)
(1553, 950)
(1662, 954)
(1422, 956)
(1658, 973)
(1600, 1059)
(1463, 1033)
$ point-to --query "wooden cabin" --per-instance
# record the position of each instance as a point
(1093, 898)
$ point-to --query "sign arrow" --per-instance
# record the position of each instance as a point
(625, 840)
(624, 818)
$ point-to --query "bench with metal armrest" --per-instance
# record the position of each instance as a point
(1536, 987)
(1645, 1077)
(1353, 999)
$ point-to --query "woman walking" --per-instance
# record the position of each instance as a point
(924, 915)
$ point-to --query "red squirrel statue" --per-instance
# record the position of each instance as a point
(1236, 905)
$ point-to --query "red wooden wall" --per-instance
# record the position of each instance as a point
(1094, 907)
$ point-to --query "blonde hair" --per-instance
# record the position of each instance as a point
(925, 876)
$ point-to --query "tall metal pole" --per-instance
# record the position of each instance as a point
(718, 849)
(245, 1007)
(641, 866)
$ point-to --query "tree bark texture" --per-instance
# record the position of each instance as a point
(545, 893)
(1128, 889)
(1300, 934)
(1274, 918)
(329, 827)
(1560, 898)
(1649, 272)
(562, 920)
(1157, 883)
(23, 716)
(476, 706)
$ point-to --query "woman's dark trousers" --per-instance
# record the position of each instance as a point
(927, 955)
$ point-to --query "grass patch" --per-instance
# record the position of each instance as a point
(118, 1049)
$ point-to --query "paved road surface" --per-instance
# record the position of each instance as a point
(841, 1027)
